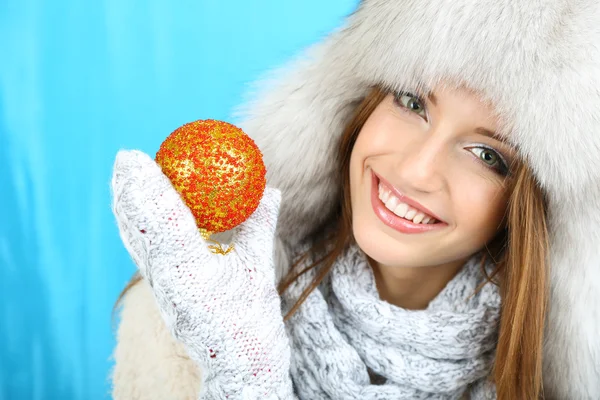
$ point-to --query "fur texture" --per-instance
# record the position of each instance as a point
(537, 61)
(149, 363)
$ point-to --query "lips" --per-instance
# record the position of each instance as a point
(413, 203)
(394, 221)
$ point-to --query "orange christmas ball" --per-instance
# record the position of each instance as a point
(217, 169)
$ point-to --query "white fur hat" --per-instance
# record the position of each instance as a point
(538, 61)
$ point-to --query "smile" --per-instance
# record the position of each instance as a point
(400, 212)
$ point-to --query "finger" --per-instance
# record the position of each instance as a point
(257, 234)
(154, 221)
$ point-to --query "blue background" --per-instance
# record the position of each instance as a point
(78, 81)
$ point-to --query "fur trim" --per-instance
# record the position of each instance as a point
(149, 363)
(537, 61)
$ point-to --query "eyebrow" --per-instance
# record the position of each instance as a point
(432, 98)
(491, 134)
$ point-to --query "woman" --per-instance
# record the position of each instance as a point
(481, 118)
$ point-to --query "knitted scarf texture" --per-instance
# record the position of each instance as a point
(349, 344)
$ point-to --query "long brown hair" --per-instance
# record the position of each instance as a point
(519, 252)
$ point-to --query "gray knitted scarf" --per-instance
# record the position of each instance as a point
(349, 344)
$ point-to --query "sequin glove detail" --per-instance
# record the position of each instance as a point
(223, 308)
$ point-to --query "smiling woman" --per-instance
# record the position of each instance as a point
(433, 160)
(434, 225)
(405, 162)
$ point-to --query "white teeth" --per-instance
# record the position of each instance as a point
(385, 196)
(392, 202)
(401, 209)
(418, 218)
(410, 214)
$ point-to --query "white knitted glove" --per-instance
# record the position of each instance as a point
(223, 308)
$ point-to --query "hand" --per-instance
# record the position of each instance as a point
(223, 308)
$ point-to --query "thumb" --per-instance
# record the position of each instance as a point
(257, 234)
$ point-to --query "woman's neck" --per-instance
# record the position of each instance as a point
(413, 288)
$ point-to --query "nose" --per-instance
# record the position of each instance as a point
(421, 165)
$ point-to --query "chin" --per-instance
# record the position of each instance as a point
(384, 249)
(389, 251)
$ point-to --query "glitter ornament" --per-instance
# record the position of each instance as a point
(218, 171)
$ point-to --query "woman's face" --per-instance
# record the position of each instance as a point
(428, 179)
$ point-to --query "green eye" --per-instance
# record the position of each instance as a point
(412, 103)
(491, 158)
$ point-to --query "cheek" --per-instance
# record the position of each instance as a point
(479, 207)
